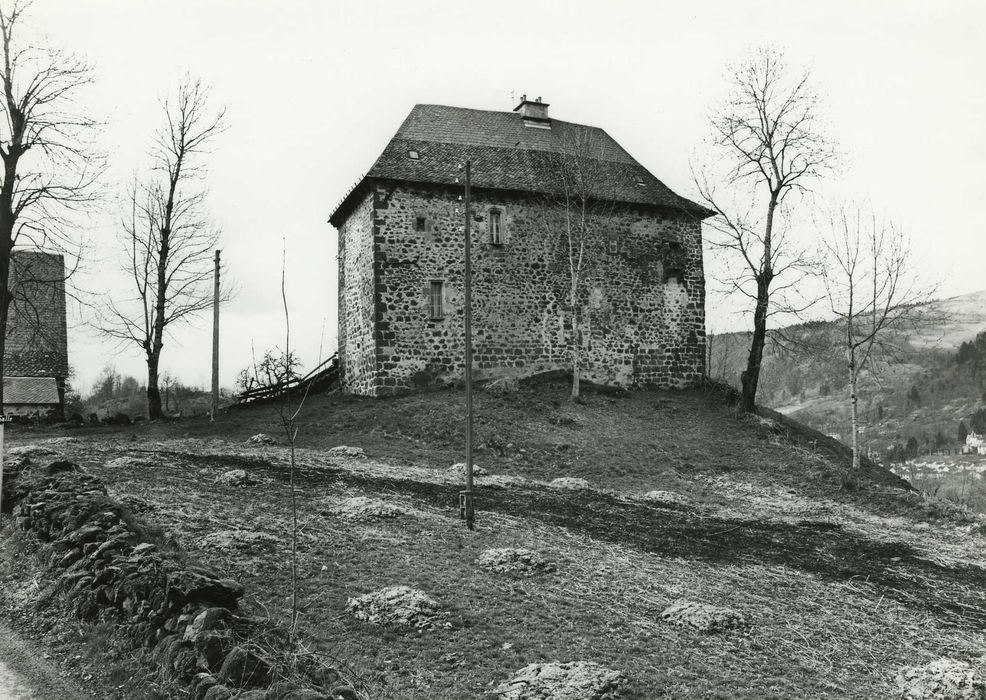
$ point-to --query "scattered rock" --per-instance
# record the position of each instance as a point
(206, 621)
(570, 482)
(192, 586)
(31, 451)
(244, 669)
(397, 605)
(459, 469)
(360, 507)
(703, 617)
(942, 679)
(575, 680)
(235, 477)
(666, 497)
(501, 386)
(261, 439)
(346, 451)
(242, 540)
(521, 562)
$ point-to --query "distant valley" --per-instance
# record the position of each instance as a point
(919, 392)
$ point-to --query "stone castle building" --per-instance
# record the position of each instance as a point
(401, 261)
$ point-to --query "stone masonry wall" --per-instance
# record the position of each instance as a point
(646, 319)
(357, 354)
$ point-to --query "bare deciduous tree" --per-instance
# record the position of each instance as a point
(49, 163)
(768, 138)
(167, 235)
(872, 292)
(573, 222)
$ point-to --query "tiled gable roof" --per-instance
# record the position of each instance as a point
(30, 391)
(37, 336)
(506, 154)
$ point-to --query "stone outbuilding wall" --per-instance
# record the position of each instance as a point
(402, 247)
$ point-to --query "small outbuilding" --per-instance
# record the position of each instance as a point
(35, 363)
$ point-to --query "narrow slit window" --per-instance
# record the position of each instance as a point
(436, 304)
(496, 227)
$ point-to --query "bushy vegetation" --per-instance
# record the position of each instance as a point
(114, 395)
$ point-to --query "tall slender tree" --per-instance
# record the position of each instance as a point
(873, 293)
(50, 165)
(167, 236)
(768, 139)
(572, 219)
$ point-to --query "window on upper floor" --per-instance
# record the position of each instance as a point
(496, 227)
(420, 223)
(436, 299)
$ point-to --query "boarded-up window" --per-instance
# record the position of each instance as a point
(436, 299)
(496, 227)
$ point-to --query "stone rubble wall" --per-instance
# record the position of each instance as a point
(103, 568)
(357, 352)
(647, 326)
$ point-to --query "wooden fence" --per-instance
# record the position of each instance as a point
(322, 378)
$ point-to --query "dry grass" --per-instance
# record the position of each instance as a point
(841, 589)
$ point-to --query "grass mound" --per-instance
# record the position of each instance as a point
(398, 605)
(943, 679)
(575, 680)
(703, 617)
(519, 562)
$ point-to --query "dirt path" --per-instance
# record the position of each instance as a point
(11, 685)
(26, 675)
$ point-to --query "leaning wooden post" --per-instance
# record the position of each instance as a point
(215, 343)
(466, 508)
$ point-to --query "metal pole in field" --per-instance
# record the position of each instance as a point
(469, 511)
(215, 343)
(4, 419)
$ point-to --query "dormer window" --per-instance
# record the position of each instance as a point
(496, 227)
(413, 155)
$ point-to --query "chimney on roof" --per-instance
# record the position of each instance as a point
(533, 110)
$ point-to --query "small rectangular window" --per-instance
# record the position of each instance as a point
(614, 246)
(496, 228)
(420, 223)
(436, 300)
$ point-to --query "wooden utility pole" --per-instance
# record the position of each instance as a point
(466, 507)
(215, 342)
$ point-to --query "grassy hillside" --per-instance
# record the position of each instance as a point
(841, 589)
(920, 391)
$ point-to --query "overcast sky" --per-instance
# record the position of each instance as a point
(315, 90)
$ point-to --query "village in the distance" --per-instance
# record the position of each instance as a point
(587, 418)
